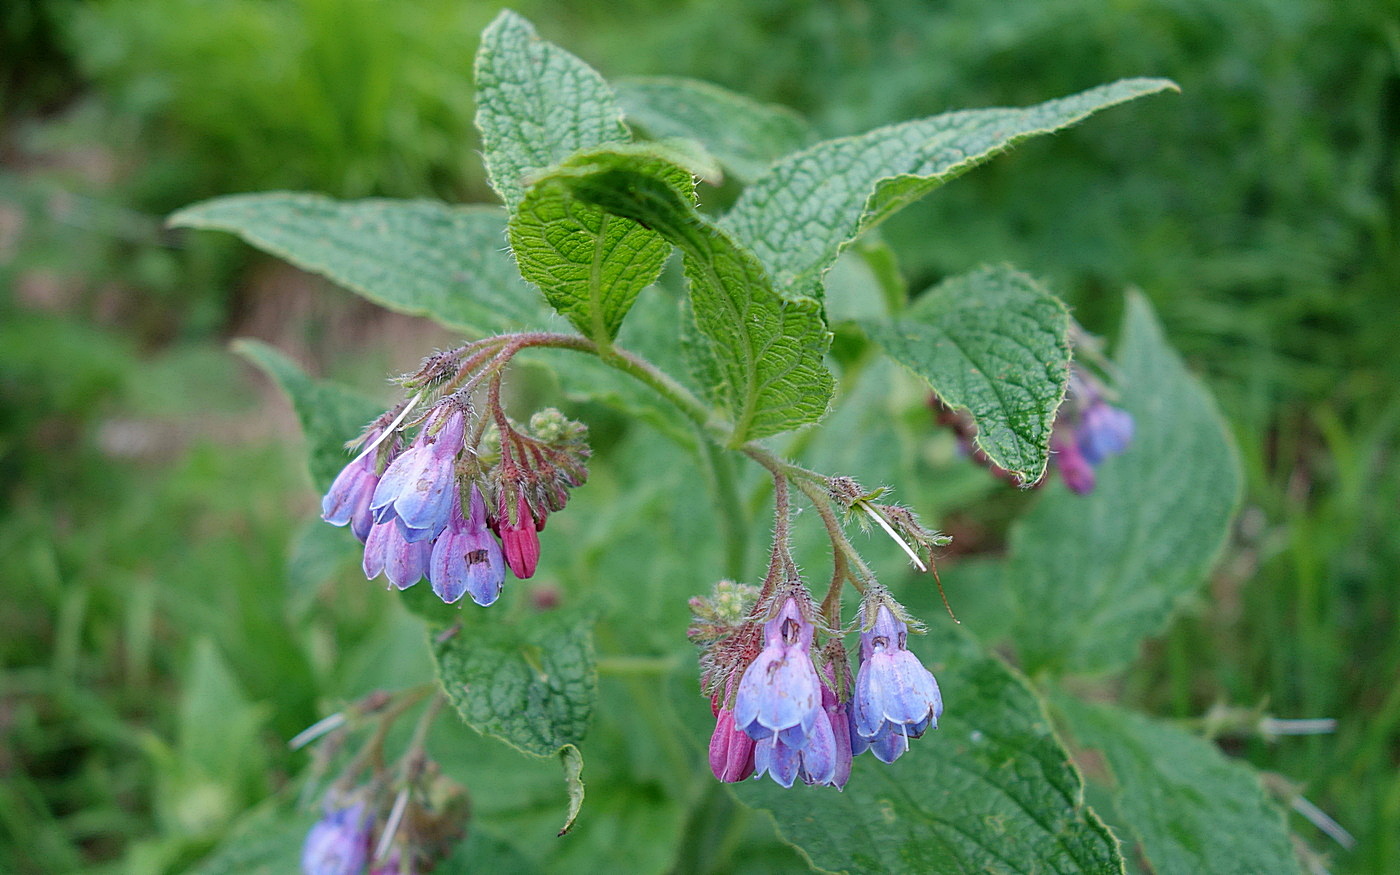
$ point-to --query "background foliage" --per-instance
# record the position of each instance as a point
(160, 635)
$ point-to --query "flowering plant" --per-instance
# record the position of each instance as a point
(734, 359)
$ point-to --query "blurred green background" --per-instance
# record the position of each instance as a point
(150, 481)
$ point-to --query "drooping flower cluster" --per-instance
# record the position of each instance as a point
(451, 506)
(792, 711)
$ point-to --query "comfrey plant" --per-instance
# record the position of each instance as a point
(725, 364)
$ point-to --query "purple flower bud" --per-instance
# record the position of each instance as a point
(339, 842)
(402, 561)
(417, 487)
(1104, 430)
(895, 694)
(839, 716)
(466, 558)
(731, 749)
(780, 692)
(349, 497)
(521, 541)
(1076, 471)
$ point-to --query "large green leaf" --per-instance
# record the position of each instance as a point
(992, 341)
(1190, 807)
(536, 105)
(330, 416)
(590, 264)
(991, 790)
(529, 681)
(799, 215)
(742, 134)
(768, 349)
(420, 257)
(1088, 577)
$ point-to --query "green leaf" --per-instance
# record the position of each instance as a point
(804, 211)
(590, 264)
(742, 134)
(422, 258)
(530, 683)
(1088, 577)
(572, 761)
(536, 105)
(1191, 808)
(329, 414)
(991, 790)
(996, 343)
(768, 349)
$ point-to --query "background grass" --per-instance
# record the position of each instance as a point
(150, 485)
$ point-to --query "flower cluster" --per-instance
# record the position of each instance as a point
(453, 506)
(791, 710)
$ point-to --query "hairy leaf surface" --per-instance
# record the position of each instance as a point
(996, 343)
(1192, 808)
(807, 207)
(744, 135)
(591, 264)
(768, 350)
(422, 258)
(536, 105)
(530, 684)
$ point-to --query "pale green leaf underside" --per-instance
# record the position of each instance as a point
(742, 134)
(530, 685)
(768, 350)
(591, 265)
(990, 790)
(799, 215)
(1190, 807)
(423, 258)
(996, 343)
(536, 105)
(1088, 577)
(330, 415)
